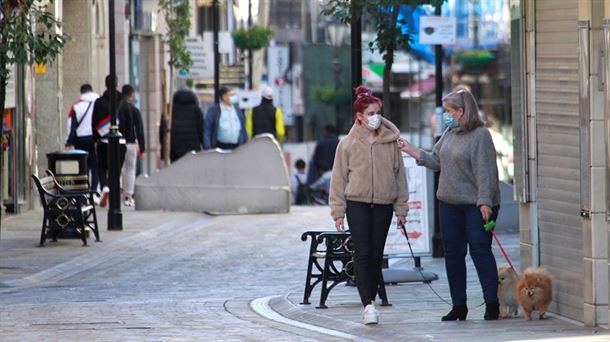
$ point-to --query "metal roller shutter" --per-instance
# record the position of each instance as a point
(557, 128)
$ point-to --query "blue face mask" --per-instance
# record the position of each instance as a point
(450, 121)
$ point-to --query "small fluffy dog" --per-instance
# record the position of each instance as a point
(507, 288)
(535, 291)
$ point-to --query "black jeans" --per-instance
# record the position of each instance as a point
(462, 229)
(86, 144)
(102, 162)
(369, 225)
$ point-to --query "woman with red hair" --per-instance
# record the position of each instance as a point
(368, 184)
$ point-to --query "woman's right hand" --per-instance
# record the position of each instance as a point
(339, 225)
(407, 148)
(403, 145)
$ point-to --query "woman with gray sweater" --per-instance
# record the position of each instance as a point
(469, 196)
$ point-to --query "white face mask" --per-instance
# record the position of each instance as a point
(374, 121)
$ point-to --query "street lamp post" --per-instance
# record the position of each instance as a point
(356, 50)
(216, 28)
(336, 37)
(115, 216)
(250, 63)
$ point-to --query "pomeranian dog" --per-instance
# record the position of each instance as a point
(507, 288)
(535, 291)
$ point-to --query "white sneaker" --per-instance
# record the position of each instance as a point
(129, 201)
(370, 315)
(104, 198)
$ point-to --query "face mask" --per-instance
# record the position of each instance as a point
(450, 121)
(374, 121)
(234, 99)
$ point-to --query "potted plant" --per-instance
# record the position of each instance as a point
(255, 38)
(475, 59)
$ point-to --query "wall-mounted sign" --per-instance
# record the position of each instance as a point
(40, 69)
(437, 30)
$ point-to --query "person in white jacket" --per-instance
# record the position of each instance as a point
(79, 134)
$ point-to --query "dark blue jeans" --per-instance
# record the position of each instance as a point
(462, 228)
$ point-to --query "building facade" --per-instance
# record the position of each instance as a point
(560, 118)
(38, 102)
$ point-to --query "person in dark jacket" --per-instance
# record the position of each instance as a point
(133, 131)
(186, 124)
(100, 125)
(225, 124)
(324, 154)
(266, 118)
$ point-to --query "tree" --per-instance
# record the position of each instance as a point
(384, 17)
(177, 15)
(23, 43)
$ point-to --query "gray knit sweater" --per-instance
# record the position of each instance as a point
(467, 162)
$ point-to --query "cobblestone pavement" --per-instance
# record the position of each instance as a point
(192, 277)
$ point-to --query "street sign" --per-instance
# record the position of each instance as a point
(202, 56)
(437, 30)
(248, 98)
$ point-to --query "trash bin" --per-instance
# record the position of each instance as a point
(70, 168)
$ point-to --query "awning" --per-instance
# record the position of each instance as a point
(419, 88)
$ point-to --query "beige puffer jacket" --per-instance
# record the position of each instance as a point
(369, 172)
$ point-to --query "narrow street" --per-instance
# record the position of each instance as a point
(166, 277)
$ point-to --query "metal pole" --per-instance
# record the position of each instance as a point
(250, 66)
(356, 50)
(115, 216)
(216, 28)
(437, 244)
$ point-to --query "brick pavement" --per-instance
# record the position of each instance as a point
(192, 277)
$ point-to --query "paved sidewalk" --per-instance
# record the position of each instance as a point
(193, 277)
(416, 310)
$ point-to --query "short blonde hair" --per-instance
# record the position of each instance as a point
(463, 99)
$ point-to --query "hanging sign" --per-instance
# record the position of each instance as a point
(437, 30)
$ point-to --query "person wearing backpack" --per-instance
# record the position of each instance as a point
(80, 135)
(298, 184)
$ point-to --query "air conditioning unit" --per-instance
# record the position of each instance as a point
(149, 22)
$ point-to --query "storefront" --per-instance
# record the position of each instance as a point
(558, 106)
(13, 184)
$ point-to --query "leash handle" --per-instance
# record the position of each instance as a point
(490, 226)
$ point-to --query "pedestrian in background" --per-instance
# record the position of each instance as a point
(469, 196)
(133, 132)
(100, 125)
(266, 118)
(186, 124)
(324, 153)
(298, 184)
(80, 134)
(225, 124)
(368, 184)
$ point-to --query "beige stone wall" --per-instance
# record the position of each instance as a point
(595, 229)
(151, 96)
(78, 59)
(49, 123)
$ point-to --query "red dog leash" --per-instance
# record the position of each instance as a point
(489, 227)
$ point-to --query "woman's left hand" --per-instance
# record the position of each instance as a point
(401, 220)
(486, 213)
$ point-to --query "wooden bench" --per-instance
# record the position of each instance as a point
(65, 210)
(330, 262)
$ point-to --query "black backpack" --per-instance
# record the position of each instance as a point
(302, 197)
